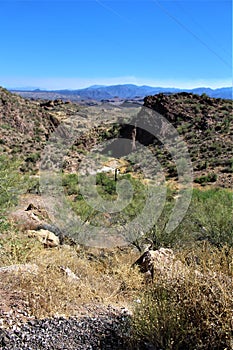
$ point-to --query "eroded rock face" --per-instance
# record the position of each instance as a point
(49, 239)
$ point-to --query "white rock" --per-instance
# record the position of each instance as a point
(49, 239)
(71, 276)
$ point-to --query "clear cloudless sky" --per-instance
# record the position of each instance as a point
(73, 44)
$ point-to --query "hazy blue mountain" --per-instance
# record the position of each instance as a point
(217, 93)
(26, 88)
(223, 92)
(125, 91)
(131, 91)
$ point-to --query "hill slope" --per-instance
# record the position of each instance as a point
(204, 122)
(25, 125)
(206, 125)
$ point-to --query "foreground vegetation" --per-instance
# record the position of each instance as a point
(186, 308)
(193, 310)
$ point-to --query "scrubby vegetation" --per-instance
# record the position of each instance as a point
(188, 305)
(191, 310)
(209, 217)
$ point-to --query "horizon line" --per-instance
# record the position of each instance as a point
(78, 83)
(33, 88)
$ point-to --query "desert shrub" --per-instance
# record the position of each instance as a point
(110, 133)
(208, 218)
(228, 170)
(107, 183)
(229, 166)
(204, 96)
(11, 183)
(211, 177)
(17, 248)
(6, 126)
(202, 165)
(106, 187)
(158, 233)
(70, 183)
(172, 170)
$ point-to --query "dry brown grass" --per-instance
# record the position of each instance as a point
(102, 277)
(185, 310)
(193, 310)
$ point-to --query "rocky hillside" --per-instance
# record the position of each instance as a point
(62, 289)
(25, 125)
(205, 124)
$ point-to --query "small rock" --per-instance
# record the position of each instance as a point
(49, 239)
(71, 276)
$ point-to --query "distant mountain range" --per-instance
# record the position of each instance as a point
(125, 91)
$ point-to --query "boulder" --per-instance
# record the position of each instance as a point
(160, 262)
(49, 239)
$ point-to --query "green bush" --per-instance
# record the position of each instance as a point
(210, 216)
(70, 183)
(211, 177)
(11, 182)
(106, 188)
(33, 157)
(107, 183)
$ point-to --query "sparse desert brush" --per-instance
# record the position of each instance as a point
(68, 278)
(17, 248)
(194, 311)
(12, 183)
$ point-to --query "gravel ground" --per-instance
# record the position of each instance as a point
(108, 329)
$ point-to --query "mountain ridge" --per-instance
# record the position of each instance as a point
(121, 91)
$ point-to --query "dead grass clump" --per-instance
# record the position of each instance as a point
(17, 248)
(192, 312)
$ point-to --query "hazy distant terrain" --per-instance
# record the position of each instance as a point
(114, 92)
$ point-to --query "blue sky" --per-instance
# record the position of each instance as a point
(73, 44)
